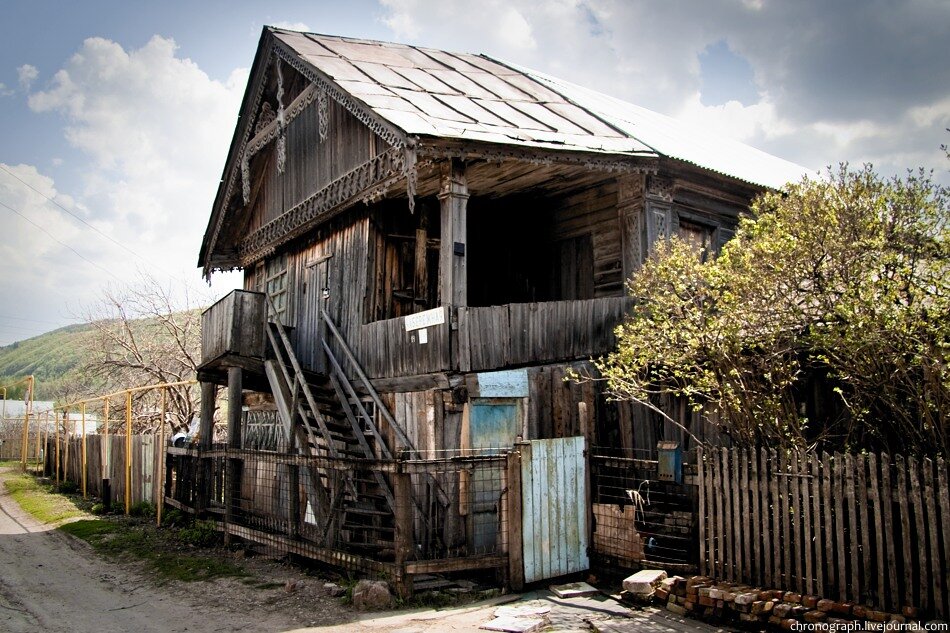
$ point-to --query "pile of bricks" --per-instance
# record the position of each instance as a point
(703, 597)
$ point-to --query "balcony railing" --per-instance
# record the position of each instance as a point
(234, 326)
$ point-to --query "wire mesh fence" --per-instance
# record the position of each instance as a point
(637, 518)
(373, 515)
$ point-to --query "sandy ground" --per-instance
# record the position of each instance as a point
(50, 581)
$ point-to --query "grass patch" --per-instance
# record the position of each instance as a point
(162, 551)
(39, 500)
(169, 552)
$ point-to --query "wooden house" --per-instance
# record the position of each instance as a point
(430, 240)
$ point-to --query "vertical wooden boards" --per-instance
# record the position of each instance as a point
(729, 534)
(804, 485)
(785, 522)
(878, 521)
(777, 505)
(907, 536)
(933, 525)
(920, 535)
(767, 511)
(795, 481)
(718, 495)
(554, 521)
(943, 497)
(852, 534)
(756, 534)
(840, 524)
(890, 529)
(703, 498)
(817, 525)
(863, 543)
(746, 511)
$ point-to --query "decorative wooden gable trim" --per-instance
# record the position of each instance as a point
(256, 137)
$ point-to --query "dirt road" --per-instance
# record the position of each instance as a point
(52, 582)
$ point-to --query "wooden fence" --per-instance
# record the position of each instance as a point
(871, 529)
(145, 476)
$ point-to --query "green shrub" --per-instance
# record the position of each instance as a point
(98, 508)
(68, 487)
(200, 534)
(142, 509)
(175, 518)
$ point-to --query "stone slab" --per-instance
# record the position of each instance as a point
(644, 581)
(510, 624)
(574, 590)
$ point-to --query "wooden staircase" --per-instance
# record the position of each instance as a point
(352, 505)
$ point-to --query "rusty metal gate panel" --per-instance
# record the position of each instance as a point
(554, 508)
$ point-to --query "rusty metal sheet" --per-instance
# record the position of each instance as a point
(385, 75)
(365, 51)
(548, 117)
(336, 68)
(427, 81)
(432, 106)
(462, 83)
(515, 117)
(472, 110)
(554, 508)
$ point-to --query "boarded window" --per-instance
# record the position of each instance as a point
(274, 279)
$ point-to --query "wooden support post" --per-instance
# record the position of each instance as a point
(402, 495)
(234, 474)
(630, 204)
(453, 196)
(205, 435)
(514, 527)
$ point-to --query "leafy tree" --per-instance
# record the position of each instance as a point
(840, 284)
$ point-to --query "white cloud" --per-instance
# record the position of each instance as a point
(155, 129)
(27, 74)
(837, 82)
(292, 26)
(4, 91)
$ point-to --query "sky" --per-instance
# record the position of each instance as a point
(115, 117)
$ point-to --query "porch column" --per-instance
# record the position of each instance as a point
(453, 195)
(235, 464)
(205, 431)
(630, 210)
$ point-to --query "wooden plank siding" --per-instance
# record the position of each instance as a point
(146, 468)
(830, 525)
(311, 163)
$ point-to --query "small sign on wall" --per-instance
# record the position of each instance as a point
(428, 318)
(423, 336)
(503, 384)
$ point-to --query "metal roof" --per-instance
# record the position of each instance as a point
(429, 92)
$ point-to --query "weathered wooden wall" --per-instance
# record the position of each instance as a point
(146, 468)
(592, 214)
(870, 529)
(311, 163)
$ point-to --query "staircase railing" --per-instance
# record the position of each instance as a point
(404, 442)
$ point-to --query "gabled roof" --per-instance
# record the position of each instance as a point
(408, 94)
(428, 92)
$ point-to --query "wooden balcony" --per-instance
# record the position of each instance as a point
(493, 337)
(232, 332)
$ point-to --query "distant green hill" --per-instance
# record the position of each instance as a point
(52, 358)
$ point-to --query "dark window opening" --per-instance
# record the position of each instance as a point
(404, 259)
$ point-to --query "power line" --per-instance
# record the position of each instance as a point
(78, 254)
(105, 235)
(16, 318)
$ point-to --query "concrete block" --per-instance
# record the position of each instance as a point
(825, 605)
(810, 601)
(859, 611)
(782, 609)
(644, 581)
(816, 616)
(675, 608)
(790, 596)
(747, 598)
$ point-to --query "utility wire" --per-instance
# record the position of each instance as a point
(78, 254)
(105, 235)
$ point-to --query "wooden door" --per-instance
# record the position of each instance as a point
(555, 508)
(313, 327)
(494, 425)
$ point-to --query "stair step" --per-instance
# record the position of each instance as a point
(375, 528)
(367, 512)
